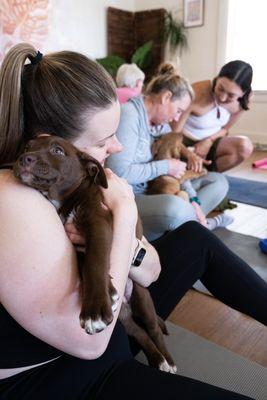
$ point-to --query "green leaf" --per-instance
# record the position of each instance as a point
(111, 63)
(142, 56)
(175, 32)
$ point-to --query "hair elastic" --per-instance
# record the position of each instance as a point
(35, 59)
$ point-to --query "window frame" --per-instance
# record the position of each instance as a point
(260, 96)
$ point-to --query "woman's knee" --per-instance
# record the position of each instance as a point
(177, 209)
(219, 183)
(168, 213)
(212, 194)
(243, 147)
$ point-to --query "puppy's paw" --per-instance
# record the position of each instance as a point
(92, 326)
(96, 313)
(166, 367)
(98, 307)
(115, 301)
(114, 296)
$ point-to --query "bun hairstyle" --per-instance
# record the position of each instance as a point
(167, 78)
(54, 94)
(240, 73)
(167, 68)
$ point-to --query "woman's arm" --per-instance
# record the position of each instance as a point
(135, 142)
(177, 126)
(149, 270)
(145, 274)
(39, 281)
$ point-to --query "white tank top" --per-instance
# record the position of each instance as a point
(202, 126)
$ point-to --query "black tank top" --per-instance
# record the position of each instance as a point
(18, 348)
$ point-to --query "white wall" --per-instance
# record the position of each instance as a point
(81, 25)
(199, 61)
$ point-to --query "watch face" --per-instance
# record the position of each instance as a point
(139, 257)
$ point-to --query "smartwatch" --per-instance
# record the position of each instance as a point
(139, 254)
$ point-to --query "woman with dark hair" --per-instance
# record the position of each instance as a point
(216, 107)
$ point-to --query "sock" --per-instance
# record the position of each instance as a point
(220, 221)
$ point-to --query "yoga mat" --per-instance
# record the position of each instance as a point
(205, 361)
(244, 246)
(248, 191)
(260, 163)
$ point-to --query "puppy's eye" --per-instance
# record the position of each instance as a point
(57, 150)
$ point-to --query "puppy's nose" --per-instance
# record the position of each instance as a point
(27, 159)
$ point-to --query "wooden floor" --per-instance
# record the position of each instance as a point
(209, 318)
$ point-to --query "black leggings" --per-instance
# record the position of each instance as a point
(192, 252)
(187, 254)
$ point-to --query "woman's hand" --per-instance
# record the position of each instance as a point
(177, 168)
(199, 213)
(119, 195)
(75, 237)
(149, 270)
(195, 163)
(202, 148)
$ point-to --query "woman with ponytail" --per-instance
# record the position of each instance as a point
(44, 352)
(143, 119)
(217, 105)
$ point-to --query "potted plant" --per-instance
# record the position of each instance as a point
(175, 34)
(141, 57)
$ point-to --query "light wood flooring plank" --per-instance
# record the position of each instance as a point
(209, 318)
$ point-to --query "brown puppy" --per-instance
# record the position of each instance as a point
(166, 147)
(71, 179)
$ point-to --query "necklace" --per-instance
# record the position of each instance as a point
(217, 108)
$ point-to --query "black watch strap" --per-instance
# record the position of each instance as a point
(139, 254)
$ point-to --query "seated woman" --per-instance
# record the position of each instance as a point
(130, 81)
(44, 352)
(143, 119)
(216, 107)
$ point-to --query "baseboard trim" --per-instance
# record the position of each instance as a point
(259, 139)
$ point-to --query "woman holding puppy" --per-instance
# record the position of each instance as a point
(143, 119)
(44, 352)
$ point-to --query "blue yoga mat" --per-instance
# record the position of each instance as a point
(247, 191)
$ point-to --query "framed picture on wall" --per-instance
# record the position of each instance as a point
(193, 13)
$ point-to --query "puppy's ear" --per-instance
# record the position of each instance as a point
(94, 169)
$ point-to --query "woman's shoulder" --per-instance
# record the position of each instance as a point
(203, 94)
(10, 186)
(29, 226)
(202, 89)
(16, 198)
(134, 107)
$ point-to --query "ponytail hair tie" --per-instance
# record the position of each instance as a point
(35, 59)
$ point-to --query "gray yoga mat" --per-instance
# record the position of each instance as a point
(205, 361)
(247, 191)
(244, 246)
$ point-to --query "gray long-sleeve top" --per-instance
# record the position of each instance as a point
(135, 162)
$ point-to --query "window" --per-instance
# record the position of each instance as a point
(246, 35)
